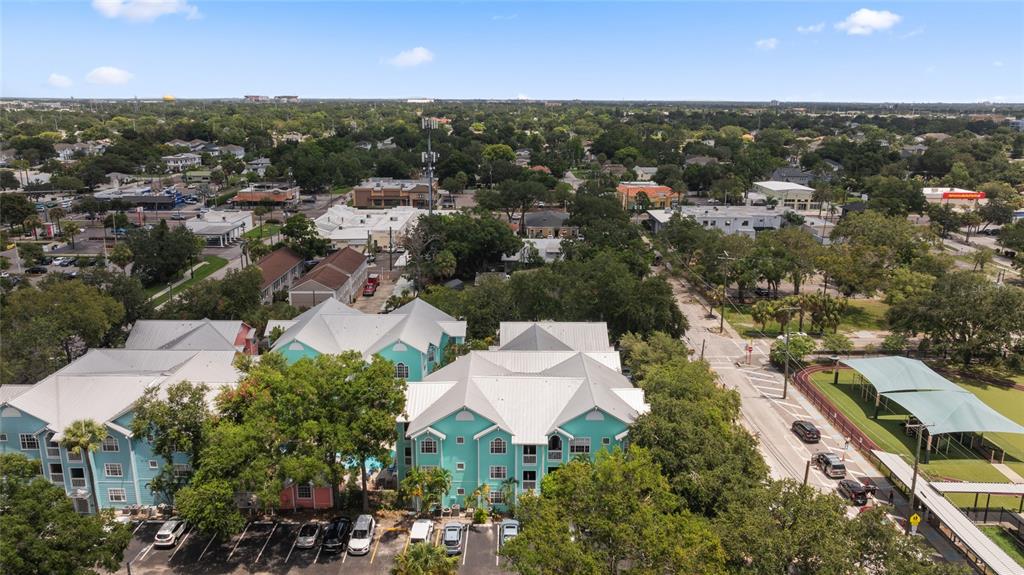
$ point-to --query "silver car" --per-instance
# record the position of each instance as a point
(309, 533)
(508, 529)
(451, 538)
(170, 532)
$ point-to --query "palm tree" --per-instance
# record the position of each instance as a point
(85, 436)
(56, 214)
(508, 493)
(438, 484)
(425, 559)
(481, 495)
(414, 485)
(33, 222)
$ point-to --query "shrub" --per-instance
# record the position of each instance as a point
(800, 346)
(480, 515)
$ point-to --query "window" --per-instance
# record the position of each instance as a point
(153, 464)
(77, 477)
(29, 441)
(305, 491)
(499, 472)
(555, 448)
(498, 446)
(117, 495)
(72, 456)
(460, 466)
(431, 353)
(745, 223)
(401, 370)
(113, 470)
(56, 473)
(606, 441)
(182, 470)
(529, 480)
(460, 491)
(529, 455)
(426, 468)
(52, 449)
(110, 444)
(495, 497)
(459, 440)
(428, 445)
(3, 437)
(408, 456)
(579, 445)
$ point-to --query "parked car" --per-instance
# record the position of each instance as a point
(806, 431)
(507, 529)
(336, 534)
(421, 531)
(36, 270)
(830, 464)
(65, 261)
(45, 260)
(69, 275)
(452, 537)
(170, 532)
(369, 289)
(178, 216)
(854, 491)
(362, 535)
(308, 535)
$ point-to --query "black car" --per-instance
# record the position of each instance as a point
(337, 533)
(806, 431)
(36, 270)
(854, 491)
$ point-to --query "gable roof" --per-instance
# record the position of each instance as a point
(195, 335)
(536, 338)
(576, 336)
(277, 263)
(336, 269)
(104, 383)
(529, 405)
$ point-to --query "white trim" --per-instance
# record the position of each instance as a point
(106, 472)
(490, 472)
(135, 472)
(123, 431)
(124, 493)
(430, 430)
(565, 433)
(110, 441)
(504, 446)
(485, 432)
(621, 436)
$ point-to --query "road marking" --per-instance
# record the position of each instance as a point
(497, 545)
(139, 526)
(269, 537)
(142, 554)
(465, 546)
(180, 544)
(239, 542)
(760, 377)
(289, 556)
(318, 549)
(205, 548)
(344, 556)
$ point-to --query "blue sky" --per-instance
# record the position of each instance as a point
(822, 51)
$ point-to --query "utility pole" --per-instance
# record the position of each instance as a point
(429, 157)
(785, 377)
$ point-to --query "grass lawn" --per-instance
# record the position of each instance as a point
(210, 265)
(959, 464)
(340, 190)
(1005, 541)
(859, 315)
(268, 231)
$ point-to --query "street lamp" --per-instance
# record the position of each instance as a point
(785, 377)
(913, 480)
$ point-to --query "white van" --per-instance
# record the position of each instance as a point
(421, 531)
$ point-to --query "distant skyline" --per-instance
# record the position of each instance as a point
(730, 51)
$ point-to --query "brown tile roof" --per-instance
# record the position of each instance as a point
(334, 270)
(276, 264)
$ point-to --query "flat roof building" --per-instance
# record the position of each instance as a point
(345, 225)
(788, 194)
(390, 192)
(220, 228)
(746, 220)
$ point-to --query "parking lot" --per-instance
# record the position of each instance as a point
(269, 547)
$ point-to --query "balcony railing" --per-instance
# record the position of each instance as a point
(529, 485)
(78, 482)
(555, 455)
(57, 478)
(529, 460)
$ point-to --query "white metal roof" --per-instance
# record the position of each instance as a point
(776, 186)
(104, 383)
(983, 488)
(968, 533)
(195, 335)
(577, 336)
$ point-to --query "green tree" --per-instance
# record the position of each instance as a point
(301, 235)
(70, 229)
(15, 208)
(121, 256)
(981, 257)
(905, 283)
(56, 215)
(8, 181)
(514, 198)
(43, 534)
(32, 223)
(210, 506)
(161, 254)
(837, 343)
(30, 253)
(425, 559)
(800, 346)
(638, 353)
(83, 437)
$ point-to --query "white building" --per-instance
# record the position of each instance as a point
(954, 197)
(789, 195)
(220, 228)
(645, 173)
(746, 220)
(179, 162)
(344, 225)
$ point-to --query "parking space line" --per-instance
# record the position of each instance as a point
(206, 548)
(497, 544)
(237, 543)
(137, 527)
(318, 549)
(269, 537)
(344, 555)
(465, 546)
(289, 556)
(142, 554)
(180, 544)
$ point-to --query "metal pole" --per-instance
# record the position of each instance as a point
(785, 377)
(807, 470)
(702, 342)
(430, 175)
(913, 480)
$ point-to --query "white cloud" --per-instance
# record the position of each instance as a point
(767, 43)
(522, 97)
(108, 75)
(415, 57)
(997, 64)
(865, 21)
(144, 10)
(812, 29)
(59, 81)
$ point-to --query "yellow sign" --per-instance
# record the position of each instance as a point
(915, 519)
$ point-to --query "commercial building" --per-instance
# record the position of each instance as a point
(344, 225)
(340, 275)
(550, 393)
(414, 337)
(658, 196)
(272, 194)
(788, 195)
(746, 220)
(220, 228)
(279, 269)
(103, 386)
(954, 197)
(390, 192)
(144, 196)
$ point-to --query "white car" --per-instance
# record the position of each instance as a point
(362, 535)
(170, 532)
(421, 531)
(508, 529)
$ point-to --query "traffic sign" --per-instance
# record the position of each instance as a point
(915, 519)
